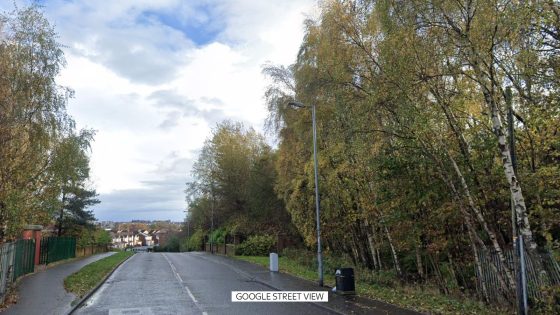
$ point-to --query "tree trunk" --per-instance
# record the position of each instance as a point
(473, 237)
(393, 252)
(515, 188)
(371, 244)
(488, 83)
(464, 146)
(441, 282)
(4, 224)
(61, 215)
(419, 265)
(511, 282)
(452, 269)
(379, 259)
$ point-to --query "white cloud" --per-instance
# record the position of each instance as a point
(153, 78)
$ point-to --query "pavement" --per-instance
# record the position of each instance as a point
(43, 292)
(201, 283)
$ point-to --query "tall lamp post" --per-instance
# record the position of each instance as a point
(188, 221)
(212, 223)
(317, 200)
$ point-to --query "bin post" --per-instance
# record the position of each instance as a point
(274, 262)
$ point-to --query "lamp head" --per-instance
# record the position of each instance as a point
(297, 104)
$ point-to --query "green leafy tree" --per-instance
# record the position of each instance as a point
(32, 117)
(234, 184)
(70, 169)
(414, 161)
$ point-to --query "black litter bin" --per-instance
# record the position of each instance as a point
(345, 281)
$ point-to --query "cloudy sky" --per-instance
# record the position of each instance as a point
(154, 76)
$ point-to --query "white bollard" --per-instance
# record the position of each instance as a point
(274, 262)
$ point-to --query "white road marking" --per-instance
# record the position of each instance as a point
(131, 311)
(183, 284)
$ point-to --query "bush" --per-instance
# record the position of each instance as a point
(258, 245)
(549, 303)
(301, 256)
(308, 258)
(387, 278)
(219, 236)
(172, 245)
(194, 242)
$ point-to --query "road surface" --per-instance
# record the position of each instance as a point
(182, 283)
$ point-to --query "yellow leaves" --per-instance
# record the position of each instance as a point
(32, 117)
(400, 88)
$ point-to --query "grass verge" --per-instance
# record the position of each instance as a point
(89, 276)
(426, 301)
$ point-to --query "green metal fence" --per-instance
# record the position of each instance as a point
(57, 248)
(24, 258)
(7, 251)
(16, 260)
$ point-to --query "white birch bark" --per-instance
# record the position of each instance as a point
(419, 264)
(514, 186)
(393, 252)
(371, 244)
(483, 223)
(473, 236)
(486, 81)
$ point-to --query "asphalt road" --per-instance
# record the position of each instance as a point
(182, 283)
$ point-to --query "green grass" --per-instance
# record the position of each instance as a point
(291, 267)
(89, 276)
(428, 300)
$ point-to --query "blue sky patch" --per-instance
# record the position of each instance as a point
(201, 29)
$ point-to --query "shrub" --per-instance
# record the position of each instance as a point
(387, 278)
(301, 256)
(172, 245)
(195, 241)
(308, 258)
(549, 303)
(219, 236)
(258, 245)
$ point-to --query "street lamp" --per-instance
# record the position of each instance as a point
(188, 221)
(317, 200)
(212, 222)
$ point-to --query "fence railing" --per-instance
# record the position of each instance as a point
(57, 248)
(7, 252)
(542, 270)
(16, 259)
(24, 258)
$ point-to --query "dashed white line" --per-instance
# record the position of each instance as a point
(183, 284)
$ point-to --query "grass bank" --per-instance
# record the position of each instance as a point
(89, 276)
(426, 300)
